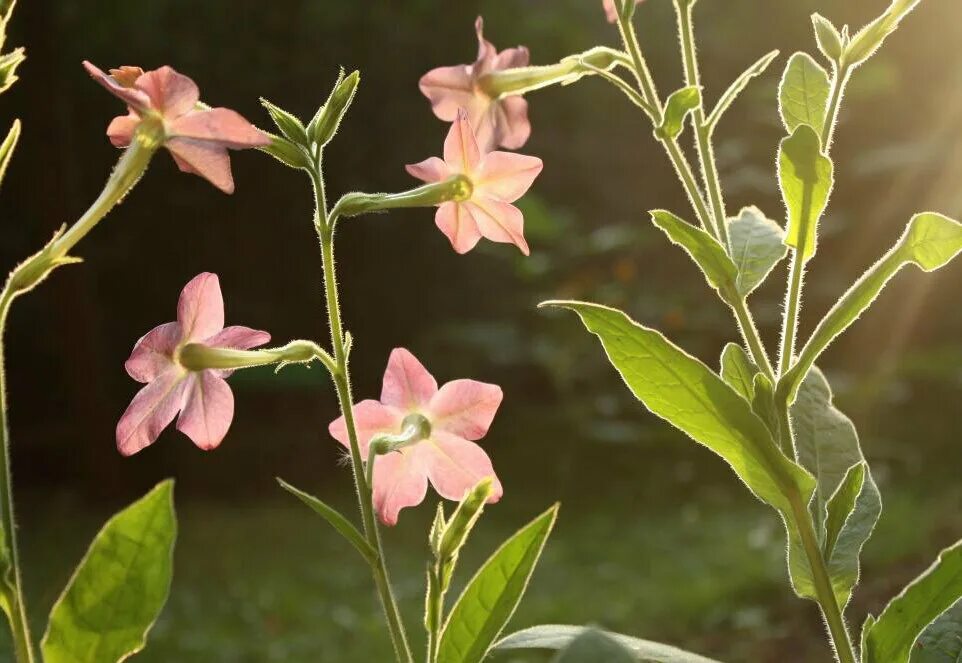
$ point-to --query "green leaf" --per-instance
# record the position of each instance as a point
(683, 391)
(343, 526)
(593, 646)
(930, 242)
(679, 105)
(708, 254)
(868, 40)
(738, 371)
(726, 100)
(290, 126)
(757, 245)
(941, 641)
(7, 147)
(763, 403)
(559, 636)
(803, 93)
(805, 176)
(119, 588)
(489, 600)
(889, 638)
(827, 37)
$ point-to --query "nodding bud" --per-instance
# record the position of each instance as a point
(520, 80)
(456, 188)
(868, 40)
(326, 121)
(200, 357)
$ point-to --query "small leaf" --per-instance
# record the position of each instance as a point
(805, 176)
(119, 588)
(757, 69)
(491, 597)
(763, 403)
(868, 40)
(559, 636)
(889, 638)
(327, 120)
(708, 254)
(757, 245)
(7, 147)
(343, 526)
(841, 505)
(290, 126)
(738, 371)
(803, 93)
(679, 105)
(594, 646)
(827, 37)
(941, 641)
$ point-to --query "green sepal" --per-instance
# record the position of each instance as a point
(34, 270)
(7, 147)
(325, 123)
(679, 105)
(288, 153)
(291, 127)
(8, 67)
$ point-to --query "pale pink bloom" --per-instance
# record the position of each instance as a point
(197, 137)
(498, 179)
(459, 413)
(203, 399)
(612, 11)
(497, 121)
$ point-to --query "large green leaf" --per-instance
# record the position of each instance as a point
(687, 394)
(738, 371)
(868, 40)
(593, 646)
(889, 638)
(740, 83)
(805, 176)
(487, 603)
(757, 245)
(560, 636)
(119, 588)
(930, 241)
(846, 505)
(803, 93)
(708, 254)
(941, 641)
(679, 105)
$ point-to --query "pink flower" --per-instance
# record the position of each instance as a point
(497, 121)
(197, 137)
(498, 179)
(612, 11)
(203, 399)
(458, 413)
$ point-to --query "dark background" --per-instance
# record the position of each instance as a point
(643, 508)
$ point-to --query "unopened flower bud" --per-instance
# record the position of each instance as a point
(457, 188)
(326, 121)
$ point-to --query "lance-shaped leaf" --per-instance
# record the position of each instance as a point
(708, 254)
(889, 638)
(828, 38)
(119, 588)
(941, 641)
(679, 105)
(757, 245)
(593, 646)
(846, 505)
(868, 40)
(491, 597)
(805, 176)
(728, 98)
(803, 93)
(738, 371)
(930, 241)
(687, 394)
(560, 636)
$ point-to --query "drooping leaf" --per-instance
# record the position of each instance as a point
(119, 588)
(803, 93)
(805, 176)
(941, 641)
(560, 636)
(930, 242)
(491, 597)
(679, 388)
(593, 646)
(866, 41)
(726, 100)
(890, 637)
(757, 245)
(679, 105)
(708, 254)
(738, 371)
(334, 517)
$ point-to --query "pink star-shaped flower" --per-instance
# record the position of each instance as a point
(203, 399)
(497, 121)
(498, 179)
(196, 137)
(612, 11)
(459, 413)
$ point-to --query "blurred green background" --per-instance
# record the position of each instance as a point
(656, 537)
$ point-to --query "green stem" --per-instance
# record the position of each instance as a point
(434, 611)
(839, 81)
(342, 384)
(645, 81)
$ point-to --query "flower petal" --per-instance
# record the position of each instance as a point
(511, 125)
(448, 89)
(611, 12)
(171, 93)
(204, 158)
(153, 353)
(432, 169)
(370, 418)
(455, 465)
(208, 410)
(487, 53)
(200, 310)
(506, 175)
(465, 408)
(134, 98)
(150, 411)
(220, 125)
(457, 223)
(510, 58)
(121, 129)
(461, 147)
(399, 482)
(238, 337)
(407, 384)
(499, 221)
